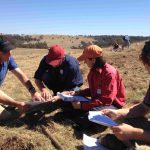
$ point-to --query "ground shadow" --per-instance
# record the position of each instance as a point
(79, 123)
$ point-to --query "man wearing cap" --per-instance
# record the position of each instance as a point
(7, 62)
(57, 71)
(106, 87)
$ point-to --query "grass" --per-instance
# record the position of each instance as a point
(65, 41)
(23, 139)
(135, 77)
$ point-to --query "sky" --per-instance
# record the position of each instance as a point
(75, 17)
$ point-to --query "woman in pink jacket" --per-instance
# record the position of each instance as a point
(106, 87)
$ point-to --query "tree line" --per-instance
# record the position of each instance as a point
(25, 41)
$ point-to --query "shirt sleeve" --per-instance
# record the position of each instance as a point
(12, 64)
(85, 92)
(74, 77)
(108, 93)
(41, 69)
(146, 100)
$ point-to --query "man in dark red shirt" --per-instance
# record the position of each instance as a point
(106, 87)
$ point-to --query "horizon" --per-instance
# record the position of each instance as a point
(69, 35)
(93, 17)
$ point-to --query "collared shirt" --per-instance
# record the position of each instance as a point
(105, 88)
(65, 77)
(5, 66)
(146, 100)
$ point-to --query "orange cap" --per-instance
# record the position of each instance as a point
(91, 51)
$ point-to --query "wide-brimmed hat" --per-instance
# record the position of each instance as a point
(55, 55)
(92, 51)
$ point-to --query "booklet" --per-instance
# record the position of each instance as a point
(91, 143)
(72, 98)
(98, 117)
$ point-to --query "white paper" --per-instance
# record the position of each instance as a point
(98, 117)
(91, 143)
(71, 98)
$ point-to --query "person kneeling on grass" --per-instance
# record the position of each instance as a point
(106, 87)
(58, 72)
(139, 130)
(8, 63)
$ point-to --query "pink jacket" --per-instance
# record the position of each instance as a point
(105, 88)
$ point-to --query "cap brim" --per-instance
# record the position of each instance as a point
(8, 47)
(54, 63)
(81, 58)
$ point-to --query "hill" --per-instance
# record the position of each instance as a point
(67, 41)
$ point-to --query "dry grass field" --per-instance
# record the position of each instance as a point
(135, 77)
(64, 40)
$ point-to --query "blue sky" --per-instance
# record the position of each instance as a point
(78, 17)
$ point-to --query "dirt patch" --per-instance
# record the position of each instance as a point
(16, 143)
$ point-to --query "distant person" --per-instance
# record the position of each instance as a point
(126, 42)
(139, 131)
(116, 47)
(7, 62)
(106, 88)
(58, 72)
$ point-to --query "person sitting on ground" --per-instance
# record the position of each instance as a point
(126, 132)
(7, 62)
(106, 86)
(115, 47)
(58, 72)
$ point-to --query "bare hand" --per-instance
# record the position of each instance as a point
(70, 92)
(76, 105)
(27, 106)
(124, 132)
(46, 94)
(55, 98)
(113, 114)
(37, 97)
(24, 106)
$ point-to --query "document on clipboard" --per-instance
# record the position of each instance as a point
(72, 98)
(98, 117)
